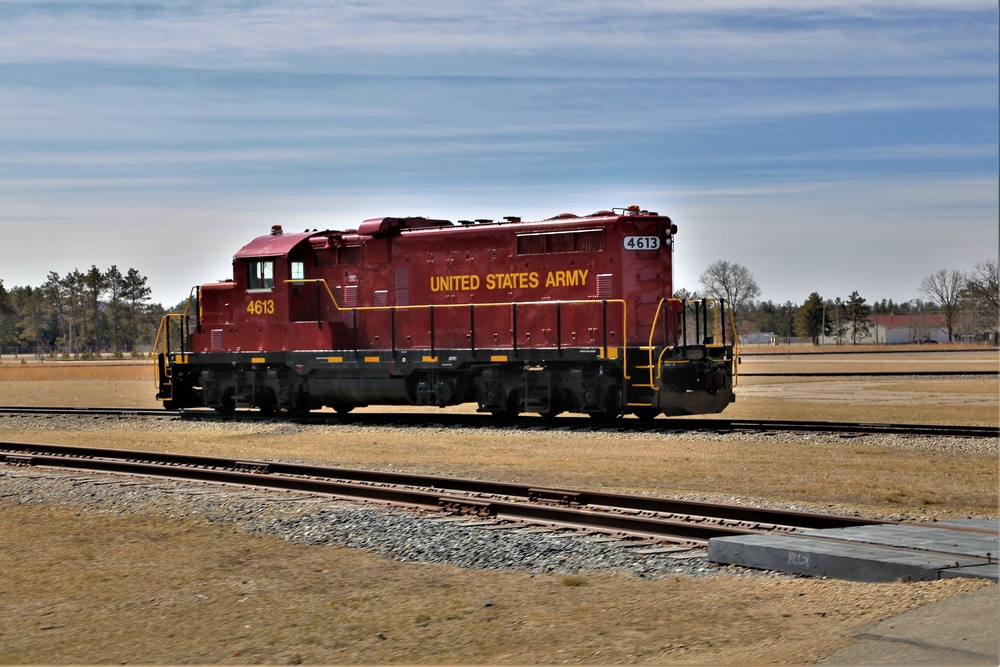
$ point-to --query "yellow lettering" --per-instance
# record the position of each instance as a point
(465, 282)
(261, 307)
(507, 281)
(471, 282)
(574, 278)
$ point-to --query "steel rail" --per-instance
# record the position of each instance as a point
(649, 517)
(122, 413)
(410, 420)
(861, 374)
(939, 430)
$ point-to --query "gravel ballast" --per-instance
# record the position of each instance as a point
(391, 533)
(401, 535)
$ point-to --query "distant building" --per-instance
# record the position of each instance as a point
(759, 338)
(897, 329)
(921, 328)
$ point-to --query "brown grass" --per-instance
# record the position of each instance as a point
(80, 587)
(75, 372)
(162, 591)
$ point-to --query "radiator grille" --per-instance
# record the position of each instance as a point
(605, 286)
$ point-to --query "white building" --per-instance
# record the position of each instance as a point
(896, 329)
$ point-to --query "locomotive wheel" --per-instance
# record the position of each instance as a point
(342, 409)
(227, 406)
(512, 408)
(611, 411)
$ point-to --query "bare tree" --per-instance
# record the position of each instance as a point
(982, 288)
(945, 288)
(732, 282)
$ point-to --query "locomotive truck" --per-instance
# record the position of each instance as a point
(568, 314)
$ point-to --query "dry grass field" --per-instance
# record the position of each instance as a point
(92, 587)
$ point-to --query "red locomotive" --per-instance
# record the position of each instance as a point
(568, 314)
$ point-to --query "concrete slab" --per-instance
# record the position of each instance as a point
(958, 631)
(889, 552)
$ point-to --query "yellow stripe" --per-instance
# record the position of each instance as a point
(257, 360)
(612, 353)
(372, 360)
(429, 360)
(335, 360)
(498, 357)
(181, 359)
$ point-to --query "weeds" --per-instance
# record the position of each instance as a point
(574, 581)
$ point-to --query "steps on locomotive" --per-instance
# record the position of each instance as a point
(164, 377)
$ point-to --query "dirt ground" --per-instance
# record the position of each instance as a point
(157, 589)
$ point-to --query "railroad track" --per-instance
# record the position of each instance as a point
(410, 420)
(120, 413)
(864, 374)
(672, 524)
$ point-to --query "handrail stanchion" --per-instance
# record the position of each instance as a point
(472, 329)
(604, 312)
(559, 327)
(513, 314)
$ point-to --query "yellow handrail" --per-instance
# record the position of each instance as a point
(507, 304)
(163, 333)
(654, 368)
(164, 322)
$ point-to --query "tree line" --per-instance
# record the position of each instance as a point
(968, 302)
(80, 314)
(93, 312)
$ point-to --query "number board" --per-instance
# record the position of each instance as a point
(641, 242)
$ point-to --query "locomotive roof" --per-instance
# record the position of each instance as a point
(277, 243)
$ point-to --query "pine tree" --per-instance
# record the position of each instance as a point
(809, 318)
(857, 312)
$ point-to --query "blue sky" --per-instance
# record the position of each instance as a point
(826, 146)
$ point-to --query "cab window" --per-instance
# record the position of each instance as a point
(261, 275)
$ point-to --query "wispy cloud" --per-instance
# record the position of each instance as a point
(556, 38)
(215, 118)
